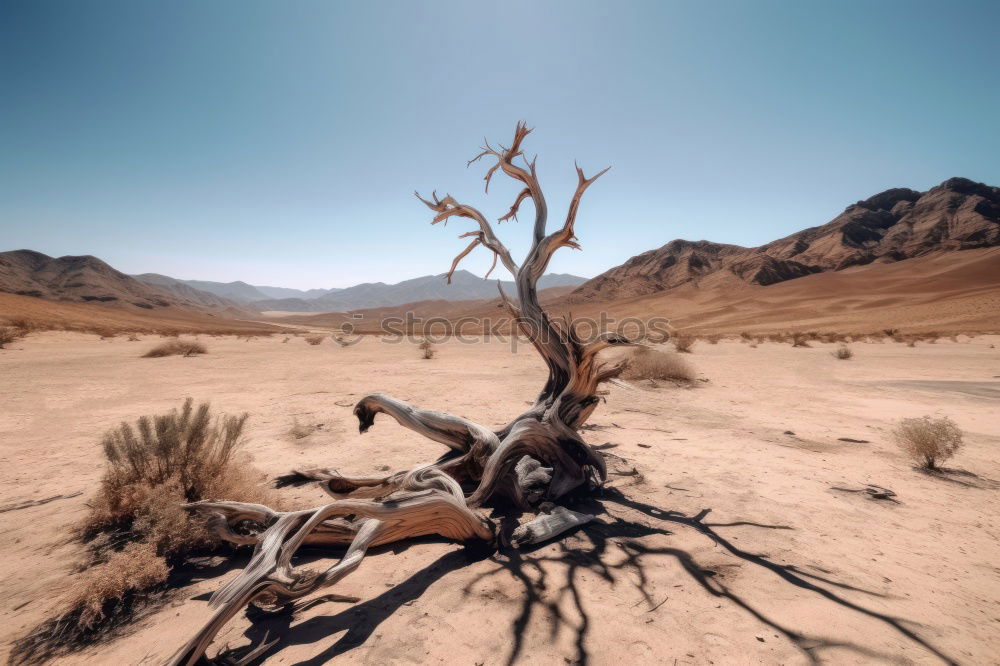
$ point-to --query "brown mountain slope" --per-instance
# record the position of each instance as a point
(87, 279)
(894, 225)
(93, 316)
(944, 291)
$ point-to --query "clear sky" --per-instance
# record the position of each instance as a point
(280, 142)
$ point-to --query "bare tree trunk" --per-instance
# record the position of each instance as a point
(538, 457)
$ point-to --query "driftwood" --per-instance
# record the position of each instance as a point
(532, 462)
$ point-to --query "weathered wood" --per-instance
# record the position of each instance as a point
(538, 457)
(547, 526)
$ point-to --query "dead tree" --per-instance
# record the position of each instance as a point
(535, 460)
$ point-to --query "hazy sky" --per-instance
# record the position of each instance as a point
(280, 142)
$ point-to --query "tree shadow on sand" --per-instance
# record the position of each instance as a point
(585, 551)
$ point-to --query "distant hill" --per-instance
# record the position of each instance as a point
(891, 226)
(464, 286)
(87, 279)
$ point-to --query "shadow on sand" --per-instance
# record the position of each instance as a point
(543, 593)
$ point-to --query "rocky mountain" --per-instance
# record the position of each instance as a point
(288, 292)
(464, 286)
(891, 226)
(183, 290)
(87, 279)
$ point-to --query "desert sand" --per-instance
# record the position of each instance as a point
(731, 543)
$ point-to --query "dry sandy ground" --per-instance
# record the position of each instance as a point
(732, 546)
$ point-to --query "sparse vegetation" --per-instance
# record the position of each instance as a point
(427, 348)
(843, 353)
(683, 343)
(314, 339)
(176, 348)
(645, 363)
(800, 340)
(928, 440)
(9, 334)
(132, 337)
(136, 530)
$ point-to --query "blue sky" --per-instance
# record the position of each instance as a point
(280, 142)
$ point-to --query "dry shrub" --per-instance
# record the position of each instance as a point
(777, 337)
(843, 353)
(928, 440)
(9, 334)
(176, 348)
(136, 530)
(132, 337)
(713, 339)
(800, 340)
(314, 339)
(683, 343)
(427, 348)
(645, 363)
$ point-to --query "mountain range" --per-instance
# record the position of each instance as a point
(891, 226)
(89, 279)
(894, 226)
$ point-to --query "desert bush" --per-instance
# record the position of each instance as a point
(314, 339)
(136, 530)
(176, 348)
(843, 353)
(745, 337)
(427, 349)
(132, 337)
(646, 363)
(683, 343)
(777, 337)
(9, 334)
(890, 332)
(928, 440)
(800, 340)
(24, 325)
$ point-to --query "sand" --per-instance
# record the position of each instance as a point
(731, 545)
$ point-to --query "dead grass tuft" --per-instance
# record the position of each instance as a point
(927, 440)
(314, 339)
(136, 530)
(843, 353)
(683, 343)
(176, 348)
(9, 334)
(427, 348)
(645, 363)
(800, 340)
